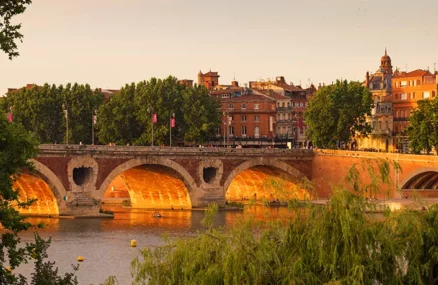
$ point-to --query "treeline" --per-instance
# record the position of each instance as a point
(126, 118)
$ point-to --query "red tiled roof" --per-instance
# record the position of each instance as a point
(414, 73)
(211, 73)
(249, 98)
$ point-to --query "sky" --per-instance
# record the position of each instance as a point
(108, 43)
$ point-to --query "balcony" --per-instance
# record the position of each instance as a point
(284, 108)
(282, 121)
(401, 119)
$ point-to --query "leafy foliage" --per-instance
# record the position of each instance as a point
(423, 127)
(40, 110)
(335, 244)
(17, 146)
(9, 33)
(127, 117)
(336, 113)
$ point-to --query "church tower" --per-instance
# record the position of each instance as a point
(385, 64)
(200, 78)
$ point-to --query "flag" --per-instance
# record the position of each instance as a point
(10, 117)
(154, 118)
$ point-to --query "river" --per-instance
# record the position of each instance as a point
(105, 243)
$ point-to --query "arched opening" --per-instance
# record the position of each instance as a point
(267, 184)
(150, 186)
(427, 180)
(31, 186)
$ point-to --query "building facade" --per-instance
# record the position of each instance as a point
(381, 119)
(408, 89)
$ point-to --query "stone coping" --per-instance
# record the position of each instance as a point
(52, 149)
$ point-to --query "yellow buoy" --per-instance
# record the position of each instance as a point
(133, 243)
(80, 258)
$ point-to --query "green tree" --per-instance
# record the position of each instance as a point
(80, 101)
(127, 117)
(116, 119)
(40, 110)
(423, 127)
(17, 146)
(9, 33)
(337, 113)
(201, 114)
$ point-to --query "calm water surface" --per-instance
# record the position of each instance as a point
(105, 243)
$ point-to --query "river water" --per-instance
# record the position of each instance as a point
(105, 243)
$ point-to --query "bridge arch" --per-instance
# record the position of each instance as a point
(186, 178)
(421, 179)
(50, 194)
(263, 162)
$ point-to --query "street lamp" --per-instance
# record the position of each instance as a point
(171, 124)
(150, 110)
(65, 110)
(93, 121)
(225, 125)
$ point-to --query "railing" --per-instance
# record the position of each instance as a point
(284, 108)
(401, 119)
(58, 150)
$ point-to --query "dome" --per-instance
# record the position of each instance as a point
(385, 57)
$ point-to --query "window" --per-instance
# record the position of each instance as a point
(396, 113)
(413, 95)
(256, 106)
(396, 96)
(225, 95)
(433, 94)
(218, 131)
(231, 106)
(232, 118)
(256, 118)
(403, 83)
(243, 106)
(243, 119)
(426, 94)
(243, 130)
(403, 96)
(282, 116)
(256, 132)
(231, 130)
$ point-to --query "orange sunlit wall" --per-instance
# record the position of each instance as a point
(33, 187)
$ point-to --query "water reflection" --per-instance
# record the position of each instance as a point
(104, 243)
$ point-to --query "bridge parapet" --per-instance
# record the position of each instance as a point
(138, 151)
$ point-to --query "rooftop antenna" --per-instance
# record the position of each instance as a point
(406, 65)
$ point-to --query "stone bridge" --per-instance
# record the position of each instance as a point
(75, 179)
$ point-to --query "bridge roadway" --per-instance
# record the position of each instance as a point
(75, 179)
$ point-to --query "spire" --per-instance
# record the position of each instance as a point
(385, 51)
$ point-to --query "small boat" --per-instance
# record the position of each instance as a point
(156, 215)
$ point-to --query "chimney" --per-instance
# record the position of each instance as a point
(368, 79)
(235, 83)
